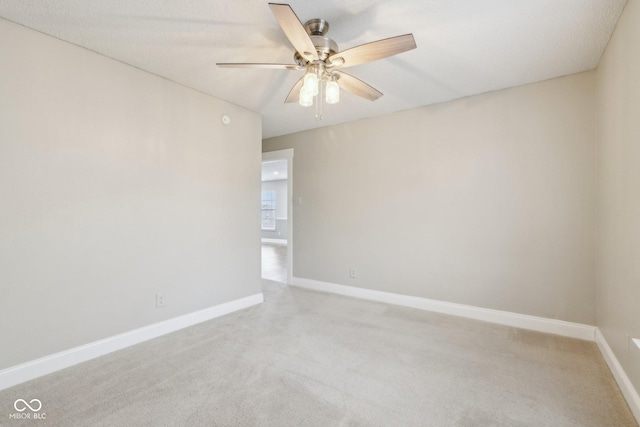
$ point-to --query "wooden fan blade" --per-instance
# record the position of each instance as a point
(258, 65)
(294, 30)
(357, 86)
(294, 93)
(372, 51)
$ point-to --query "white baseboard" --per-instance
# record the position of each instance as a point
(48, 364)
(541, 324)
(275, 241)
(628, 390)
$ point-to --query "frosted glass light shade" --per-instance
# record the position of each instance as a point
(306, 98)
(311, 83)
(333, 92)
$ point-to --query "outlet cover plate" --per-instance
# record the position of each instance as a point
(160, 300)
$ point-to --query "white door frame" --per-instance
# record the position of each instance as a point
(288, 156)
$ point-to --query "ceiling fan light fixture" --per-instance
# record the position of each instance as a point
(332, 92)
(306, 97)
(311, 82)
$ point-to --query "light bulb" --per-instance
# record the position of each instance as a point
(311, 83)
(333, 92)
(306, 98)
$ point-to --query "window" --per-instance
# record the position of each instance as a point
(269, 210)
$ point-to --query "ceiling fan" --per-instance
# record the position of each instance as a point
(319, 56)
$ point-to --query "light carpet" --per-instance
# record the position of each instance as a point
(306, 358)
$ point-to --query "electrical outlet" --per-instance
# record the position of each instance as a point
(353, 272)
(160, 301)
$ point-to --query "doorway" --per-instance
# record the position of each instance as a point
(277, 216)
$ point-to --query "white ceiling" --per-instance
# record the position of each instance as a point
(465, 47)
(274, 170)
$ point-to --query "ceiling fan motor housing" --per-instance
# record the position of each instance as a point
(317, 30)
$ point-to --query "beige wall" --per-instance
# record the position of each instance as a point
(114, 184)
(487, 201)
(618, 107)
